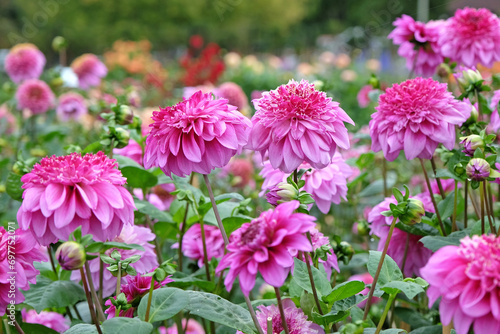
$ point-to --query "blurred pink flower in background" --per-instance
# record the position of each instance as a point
(494, 124)
(23, 62)
(234, 95)
(35, 95)
(89, 69)
(8, 124)
(192, 327)
(159, 196)
(53, 320)
(367, 279)
(242, 171)
(71, 106)
(318, 240)
(133, 151)
(363, 98)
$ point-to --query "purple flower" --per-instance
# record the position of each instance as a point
(53, 320)
(71, 106)
(34, 95)
(24, 62)
(89, 69)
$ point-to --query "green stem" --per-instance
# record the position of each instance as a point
(455, 201)
(377, 273)
(181, 237)
(205, 256)
(405, 255)
(269, 325)
(479, 107)
(150, 298)
(386, 310)
(117, 311)
(282, 311)
(308, 261)
(489, 210)
(118, 279)
(89, 301)
(481, 196)
(252, 314)
(101, 280)
(384, 177)
(6, 324)
(466, 199)
(295, 176)
(98, 307)
(77, 313)
(438, 180)
(216, 211)
(438, 215)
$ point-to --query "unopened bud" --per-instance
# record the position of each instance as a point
(59, 43)
(479, 170)
(124, 115)
(71, 255)
(122, 137)
(282, 192)
(414, 213)
(471, 143)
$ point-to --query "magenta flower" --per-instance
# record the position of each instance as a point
(130, 234)
(367, 279)
(23, 62)
(62, 193)
(466, 277)
(295, 318)
(417, 254)
(53, 320)
(478, 169)
(89, 70)
(133, 151)
(192, 246)
(27, 250)
(34, 95)
(196, 135)
(266, 245)
(418, 43)
(297, 123)
(71, 106)
(193, 327)
(234, 95)
(472, 36)
(416, 116)
(494, 125)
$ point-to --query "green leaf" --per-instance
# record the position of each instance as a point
(13, 186)
(126, 162)
(215, 308)
(188, 281)
(225, 210)
(446, 174)
(93, 148)
(414, 319)
(139, 177)
(47, 294)
(436, 329)
(234, 222)
(121, 245)
(301, 276)
(82, 329)
(340, 310)
(152, 211)
(410, 289)
(36, 328)
(389, 272)
(387, 331)
(344, 290)
(122, 325)
(377, 187)
(422, 229)
(435, 242)
(166, 303)
(445, 207)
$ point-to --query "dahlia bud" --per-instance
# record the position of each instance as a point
(474, 114)
(469, 77)
(414, 213)
(124, 115)
(122, 137)
(59, 43)
(318, 84)
(71, 255)
(479, 170)
(136, 123)
(443, 70)
(346, 250)
(362, 227)
(282, 192)
(471, 143)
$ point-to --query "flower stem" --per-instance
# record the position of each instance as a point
(432, 197)
(386, 310)
(98, 307)
(101, 280)
(216, 211)
(377, 273)
(181, 237)
(384, 177)
(252, 314)
(308, 261)
(77, 313)
(489, 207)
(455, 200)
(295, 176)
(466, 199)
(18, 328)
(481, 196)
(89, 301)
(205, 257)
(150, 298)
(438, 180)
(51, 258)
(118, 279)
(282, 311)
(269, 325)
(6, 324)
(405, 255)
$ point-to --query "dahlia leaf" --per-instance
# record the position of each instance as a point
(165, 303)
(82, 329)
(436, 242)
(389, 272)
(152, 211)
(414, 319)
(410, 289)
(139, 177)
(446, 206)
(344, 290)
(429, 329)
(123, 324)
(301, 277)
(418, 229)
(13, 186)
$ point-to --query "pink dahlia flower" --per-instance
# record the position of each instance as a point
(416, 116)
(27, 250)
(62, 193)
(417, 254)
(418, 43)
(362, 97)
(467, 279)
(242, 171)
(295, 318)
(34, 95)
(267, 245)
(472, 36)
(71, 106)
(24, 62)
(318, 240)
(297, 123)
(89, 70)
(234, 95)
(367, 279)
(192, 246)
(196, 135)
(133, 151)
(191, 327)
(130, 234)
(494, 125)
(134, 289)
(160, 195)
(53, 320)
(327, 185)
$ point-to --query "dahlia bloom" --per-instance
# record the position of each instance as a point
(327, 185)
(494, 125)
(23, 62)
(295, 319)
(53, 320)
(130, 234)
(416, 116)
(471, 36)
(234, 95)
(367, 279)
(418, 43)
(160, 195)
(192, 246)
(89, 69)
(193, 327)
(466, 278)
(417, 254)
(62, 193)
(133, 151)
(297, 123)
(267, 245)
(34, 95)
(71, 106)
(27, 251)
(196, 135)
(242, 170)
(363, 97)
(134, 289)
(319, 240)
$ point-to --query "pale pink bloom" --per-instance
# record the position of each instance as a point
(297, 123)
(23, 62)
(187, 92)
(418, 43)
(130, 234)
(192, 245)
(53, 320)
(133, 151)
(160, 195)
(416, 116)
(71, 106)
(266, 245)
(367, 279)
(8, 124)
(417, 254)
(89, 69)
(27, 251)
(234, 95)
(35, 95)
(193, 327)
(63, 193)
(472, 36)
(494, 125)
(196, 135)
(242, 170)
(295, 318)
(362, 97)
(467, 279)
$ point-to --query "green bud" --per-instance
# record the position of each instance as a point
(415, 211)
(363, 228)
(346, 249)
(59, 43)
(122, 137)
(124, 115)
(318, 84)
(71, 255)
